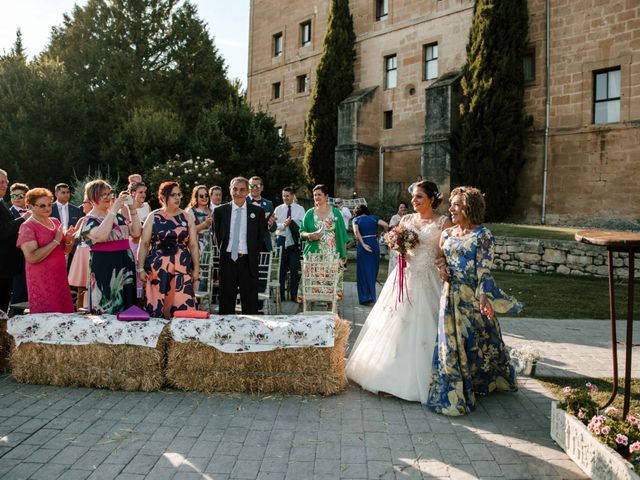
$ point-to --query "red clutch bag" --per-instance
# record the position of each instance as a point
(133, 314)
(191, 314)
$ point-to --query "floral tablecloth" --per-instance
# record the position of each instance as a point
(256, 333)
(74, 329)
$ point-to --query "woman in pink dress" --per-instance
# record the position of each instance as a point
(44, 245)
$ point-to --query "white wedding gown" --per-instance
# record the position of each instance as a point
(394, 351)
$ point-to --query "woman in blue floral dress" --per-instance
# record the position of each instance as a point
(470, 356)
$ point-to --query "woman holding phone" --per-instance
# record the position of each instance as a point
(112, 286)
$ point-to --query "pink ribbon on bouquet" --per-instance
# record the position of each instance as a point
(400, 283)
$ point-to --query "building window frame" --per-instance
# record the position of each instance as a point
(387, 119)
(381, 9)
(390, 71)
(276, 91)
(277, 44)
(305, 33)
(607, 92)
(302, 83)
(529, 65)
(430, 61)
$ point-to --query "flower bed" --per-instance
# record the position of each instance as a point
(602, 444)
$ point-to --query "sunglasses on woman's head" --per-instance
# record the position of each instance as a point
(108, 195)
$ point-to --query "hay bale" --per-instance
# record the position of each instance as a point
(302, 371)
(115, 367)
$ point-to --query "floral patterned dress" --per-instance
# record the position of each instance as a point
(47, 285)
(169, 266)
(112, 286)
(332, 238)
(470, 356)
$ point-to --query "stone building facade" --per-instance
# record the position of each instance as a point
(397, 122)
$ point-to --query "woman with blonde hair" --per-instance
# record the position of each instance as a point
(44, 245)
(106, 230)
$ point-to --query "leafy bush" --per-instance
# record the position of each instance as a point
(187, 173)
(578, 402)
(385, 207)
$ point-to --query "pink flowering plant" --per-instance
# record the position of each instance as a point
(578, 402)
(622, 435)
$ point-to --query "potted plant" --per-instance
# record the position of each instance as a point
(602, 444)
(525, 359)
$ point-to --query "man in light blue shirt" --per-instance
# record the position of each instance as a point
(289, 216)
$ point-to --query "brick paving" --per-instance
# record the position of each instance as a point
(78, 433)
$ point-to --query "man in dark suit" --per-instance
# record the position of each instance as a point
(63, 210)
(11, 258)
(239, 228)
(18, 195)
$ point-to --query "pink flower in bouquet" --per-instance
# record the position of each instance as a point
(611, 410)
(592, 388)
(606, 429)
(634, 447)
(401, 239)
(632, 419)
(622, 439)
(567, 390)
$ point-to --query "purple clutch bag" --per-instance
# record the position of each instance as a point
(133, 314)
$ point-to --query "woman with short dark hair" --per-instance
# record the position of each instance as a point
(168, 256)
(365, 229)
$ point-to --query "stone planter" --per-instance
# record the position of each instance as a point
(596, 459)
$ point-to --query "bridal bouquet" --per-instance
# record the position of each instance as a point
(401, 240)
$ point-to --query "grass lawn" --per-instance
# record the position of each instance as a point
(605, 386)
(532, 231)
(566, 296)
(550, 296)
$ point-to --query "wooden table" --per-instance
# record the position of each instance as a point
(617, 242)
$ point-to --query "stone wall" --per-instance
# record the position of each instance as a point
(557, 256)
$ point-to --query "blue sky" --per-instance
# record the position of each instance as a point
(228, 23)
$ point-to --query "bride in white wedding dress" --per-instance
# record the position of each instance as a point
(394, 350)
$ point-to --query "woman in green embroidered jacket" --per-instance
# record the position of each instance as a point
(323, 229)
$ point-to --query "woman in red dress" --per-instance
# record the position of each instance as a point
(44, 245)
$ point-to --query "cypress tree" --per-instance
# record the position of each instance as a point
(334, 82)
(489, 148)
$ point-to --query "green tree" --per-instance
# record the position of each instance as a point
(334, 82)
(43, 119)
(135, 53)
(488, 151)
(244, 142)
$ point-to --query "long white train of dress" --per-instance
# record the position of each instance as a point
(394, 350)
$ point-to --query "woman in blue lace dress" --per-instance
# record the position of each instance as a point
(470, 356)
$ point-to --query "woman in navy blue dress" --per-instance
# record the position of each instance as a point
(365, 228)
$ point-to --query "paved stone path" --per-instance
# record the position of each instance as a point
(49, 432)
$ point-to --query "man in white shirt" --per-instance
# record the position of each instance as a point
(289, 218)
(63, 210)
(346, 213)
(215, 197)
